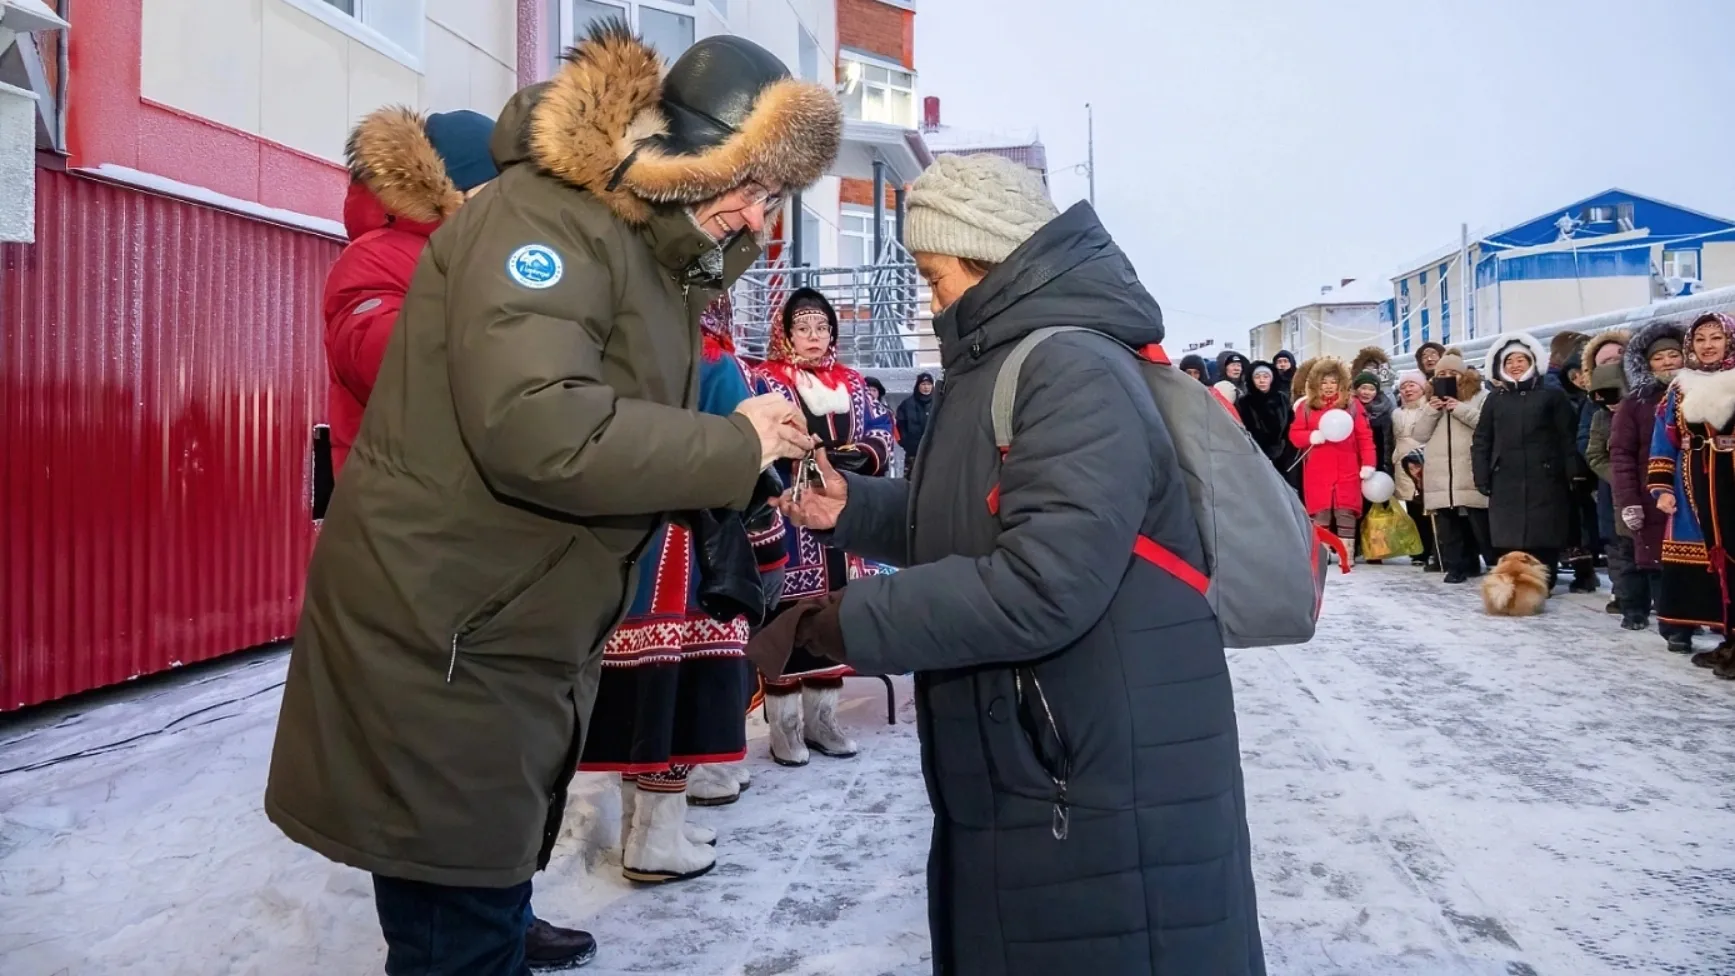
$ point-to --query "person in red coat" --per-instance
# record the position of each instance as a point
(407, 174)
(1333, 471)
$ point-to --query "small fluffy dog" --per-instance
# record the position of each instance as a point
(1517, 587)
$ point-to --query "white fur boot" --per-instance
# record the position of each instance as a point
(743, 778)
(783, 714)
(629, 802)
(658, 850)
(819, 708)
(712, 786)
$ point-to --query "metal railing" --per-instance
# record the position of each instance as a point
(883, 321)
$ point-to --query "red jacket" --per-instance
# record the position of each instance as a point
(1331, 474)
(363, 293)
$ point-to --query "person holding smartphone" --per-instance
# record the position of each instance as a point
(1458, 511)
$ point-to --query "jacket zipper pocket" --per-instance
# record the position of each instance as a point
(1035, 722)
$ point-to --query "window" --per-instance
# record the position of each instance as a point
(878, 92)
(809, 57)
(667, 25)
(1681, 264)
(391, 27)
(855, 235)
(810, 238)
(1404, 310)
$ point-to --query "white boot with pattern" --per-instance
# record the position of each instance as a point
(783, 714)
(823, 734)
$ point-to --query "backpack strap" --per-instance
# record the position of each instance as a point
(1006, 381)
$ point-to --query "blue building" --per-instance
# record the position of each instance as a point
(1604, 253)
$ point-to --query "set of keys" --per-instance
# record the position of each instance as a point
(807, 472)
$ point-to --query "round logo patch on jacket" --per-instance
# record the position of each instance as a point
(534, 266)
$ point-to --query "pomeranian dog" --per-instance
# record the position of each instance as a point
(1517, 587)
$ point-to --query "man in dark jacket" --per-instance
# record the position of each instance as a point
(531, 430)
(1651, 360)
(1193, 365)
(912, 420)
(1076, 715)
(1283, 366)
(1233, 366)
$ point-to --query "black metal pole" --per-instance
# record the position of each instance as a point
(797, 239)
(899, 213)
(879, 237)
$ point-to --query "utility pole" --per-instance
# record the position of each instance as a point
(1090, 150)
(1466, 281)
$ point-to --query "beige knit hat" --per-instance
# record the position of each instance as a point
(976, 207)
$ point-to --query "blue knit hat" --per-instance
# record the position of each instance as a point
(461, 140)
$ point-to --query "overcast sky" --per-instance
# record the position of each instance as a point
(1249, 151)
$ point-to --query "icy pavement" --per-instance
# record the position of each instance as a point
(1432, 792)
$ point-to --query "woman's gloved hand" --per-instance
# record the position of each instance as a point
(1366, 472)
(815, 626)
(1316, 438)
(850, 458)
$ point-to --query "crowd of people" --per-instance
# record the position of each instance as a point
(1613, 450)
(572, 529)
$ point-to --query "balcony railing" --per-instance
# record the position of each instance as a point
(884, 327)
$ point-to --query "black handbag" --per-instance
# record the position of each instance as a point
(729, 583)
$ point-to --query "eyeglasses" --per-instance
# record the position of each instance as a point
(753, 193)
(811, 331)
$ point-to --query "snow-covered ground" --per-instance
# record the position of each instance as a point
(1432, 792)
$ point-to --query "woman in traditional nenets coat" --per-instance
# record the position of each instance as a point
(675, 682)
(1692, 477)
(856, 433)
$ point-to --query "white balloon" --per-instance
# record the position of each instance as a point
(1336, 425)
(1378, 488)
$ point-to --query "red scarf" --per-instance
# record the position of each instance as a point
(783, 364)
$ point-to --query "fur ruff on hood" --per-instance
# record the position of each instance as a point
(1560, 349)
(1706, 397)
(1323, 367)
(1505, 343)
(389, 153)
(596, 124)
(1619, 337)
(1372, 359)
(1303, 370)
(1637, 361)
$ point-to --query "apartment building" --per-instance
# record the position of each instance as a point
(1338, 321)
(1611, 251)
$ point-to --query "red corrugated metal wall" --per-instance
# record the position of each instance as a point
(160, 372)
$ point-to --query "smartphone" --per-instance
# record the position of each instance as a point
(1445, 387)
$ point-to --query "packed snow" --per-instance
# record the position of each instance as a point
(1431, 792)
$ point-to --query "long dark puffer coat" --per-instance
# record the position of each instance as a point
(1525, 457)
(1042, 609)
(1267, 417)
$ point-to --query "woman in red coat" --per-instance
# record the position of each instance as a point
(408, 173)
(1332, 471)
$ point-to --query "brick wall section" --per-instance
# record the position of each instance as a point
(860, 193)
(877, 28)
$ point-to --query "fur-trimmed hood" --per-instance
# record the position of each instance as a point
(1507, 342)
(1617, 337)
(1372, 359)
(1303, 369)
(1637, 361)
(389, 154)
(597, 126)
(1323, 367)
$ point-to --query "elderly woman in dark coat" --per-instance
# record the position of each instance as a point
(1525, 455)
(1073, 702)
